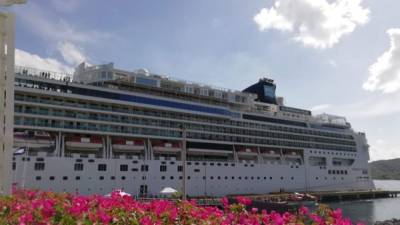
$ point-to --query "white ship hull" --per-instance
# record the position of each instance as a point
(216, 178)
(118, 134)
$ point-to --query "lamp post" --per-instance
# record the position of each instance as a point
(183, 159)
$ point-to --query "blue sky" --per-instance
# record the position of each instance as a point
(333, 56)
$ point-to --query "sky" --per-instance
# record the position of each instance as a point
(336, 56)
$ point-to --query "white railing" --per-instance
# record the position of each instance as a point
(42, 73)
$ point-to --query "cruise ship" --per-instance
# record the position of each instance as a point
(105, 128)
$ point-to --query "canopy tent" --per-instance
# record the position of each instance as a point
(168, 190)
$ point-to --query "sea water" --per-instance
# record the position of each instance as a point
(370, 211)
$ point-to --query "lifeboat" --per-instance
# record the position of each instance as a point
(83, 143)
(166, 147)
(247, 151)
(270, 152)
(292, 153)
(33, 139)
(127, 145)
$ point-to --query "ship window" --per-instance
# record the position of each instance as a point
(38, 178)
(196, 170)
(233, 177)
(144, 168)
(77, 178)
(78, 167)
(211, 164)
(78, 160)
(14, 165)
(281, 178)
(123, 167)
(91, 160)
(211, 177)
(163, 178)
(188, 177)
(101, 178)
(112, 177)
(179, 168)
(39, 166)
(163, 168)
(65, 178)
(134, 162)
(40, 159)
(134, 169)
(270, 178)
(171, 177)
(51, 178)
(226, 178)
(123, 177)
(102, 167)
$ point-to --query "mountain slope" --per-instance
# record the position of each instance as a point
(385, 169)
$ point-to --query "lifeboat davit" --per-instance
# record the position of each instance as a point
(83, 143)
(166, 147)
(33, 139)
(127, 145)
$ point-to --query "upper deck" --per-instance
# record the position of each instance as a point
(230, 101)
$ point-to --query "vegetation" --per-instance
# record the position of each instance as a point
(385, 169)
(26, 207)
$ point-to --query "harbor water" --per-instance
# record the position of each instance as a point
(370, 211)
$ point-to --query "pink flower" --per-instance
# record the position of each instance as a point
(225, 201)
(243, 200)
(303, 210)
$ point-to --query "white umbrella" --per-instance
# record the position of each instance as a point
(168, 190)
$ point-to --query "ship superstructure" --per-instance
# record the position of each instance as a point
(108, 128)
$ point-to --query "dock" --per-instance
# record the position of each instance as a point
(327, 196)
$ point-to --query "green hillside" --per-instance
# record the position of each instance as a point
(385, 169)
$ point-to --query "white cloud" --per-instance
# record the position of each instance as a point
(381, 149)
(320, 108)
(333, 63)
(385, 72)
(372, 106)
(26, 59)
(66, 6)
(61, 36)
(315, 23)
(71, 53)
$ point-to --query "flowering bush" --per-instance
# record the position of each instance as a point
(26, 207)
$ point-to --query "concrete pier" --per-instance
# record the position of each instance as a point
(354, 195)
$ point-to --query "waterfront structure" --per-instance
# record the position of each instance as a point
(106, 128)
(6, 98)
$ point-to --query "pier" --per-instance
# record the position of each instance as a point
(354, 195)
